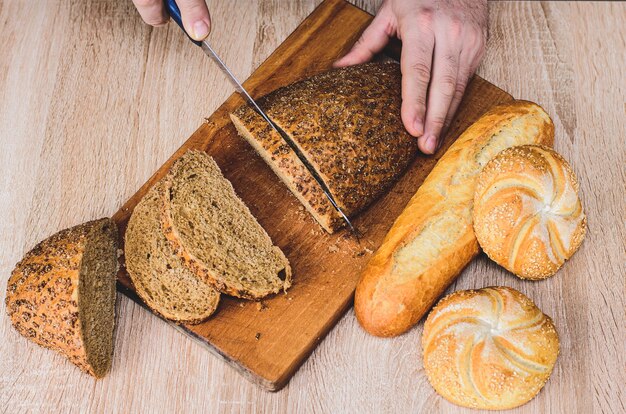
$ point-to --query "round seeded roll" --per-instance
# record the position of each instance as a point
(527, 214)
(490, 348)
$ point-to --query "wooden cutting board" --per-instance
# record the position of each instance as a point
(268, 341)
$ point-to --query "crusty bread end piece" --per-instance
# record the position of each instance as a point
(61, 295)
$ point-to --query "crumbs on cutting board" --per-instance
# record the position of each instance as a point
(257, 336)
(260, 306)
(363, 252)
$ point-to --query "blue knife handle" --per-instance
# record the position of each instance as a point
(174, 11)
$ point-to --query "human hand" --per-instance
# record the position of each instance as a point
(195, 15)
(443, 41)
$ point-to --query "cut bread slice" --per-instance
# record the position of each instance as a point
(61, 295)
(215, 234)
(159, 276)
(347, 124)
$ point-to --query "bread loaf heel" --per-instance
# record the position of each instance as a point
(61, 295)
(433, 240)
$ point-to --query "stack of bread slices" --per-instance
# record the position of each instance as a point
(191, 238)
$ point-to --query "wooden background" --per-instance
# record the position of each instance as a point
(92, 102)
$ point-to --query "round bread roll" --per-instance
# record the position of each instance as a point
(490, 348)
(527, 214)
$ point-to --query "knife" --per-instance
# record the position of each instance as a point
(174, 13)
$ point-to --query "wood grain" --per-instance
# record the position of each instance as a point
(97, 76)
(267, 342)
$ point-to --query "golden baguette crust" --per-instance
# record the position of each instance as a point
(490, 348)
(347, 123)
(432, 240)
(44, 295)
(527, 214)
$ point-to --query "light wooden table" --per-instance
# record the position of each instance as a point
(92, 102)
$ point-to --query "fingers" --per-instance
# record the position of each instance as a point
(415, 62)
(373, 40)
(470, 58)
(442, 89)
(152, 11)
(196, 19)
(465, 73)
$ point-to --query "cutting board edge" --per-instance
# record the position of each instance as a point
(264, 383)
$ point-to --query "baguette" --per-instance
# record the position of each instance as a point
(432, 240)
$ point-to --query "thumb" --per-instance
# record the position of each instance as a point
(196, 19)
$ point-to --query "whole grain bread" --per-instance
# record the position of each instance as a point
(61, 295)
(215, 234)
(347, 123)
(433, 240)
(160, 278)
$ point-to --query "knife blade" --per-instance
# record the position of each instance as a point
(174, 12)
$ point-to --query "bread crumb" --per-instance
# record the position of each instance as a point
(260, 306)
(241, 305)
(120, 253)
(257, 336)
(363, 252)
(333, 248)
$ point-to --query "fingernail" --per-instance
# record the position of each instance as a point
(200, 30)
(431, 144)
(419, 126)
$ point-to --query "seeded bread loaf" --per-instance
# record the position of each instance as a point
(160, 278)
(347, 123)
(214, 233)
(433, 240)
(61, 295)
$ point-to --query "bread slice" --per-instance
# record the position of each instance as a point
(215, 234)
(61, 295)
(347, 123)
(159, 276)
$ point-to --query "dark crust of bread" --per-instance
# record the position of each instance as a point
(347, 123)
(42, 292)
